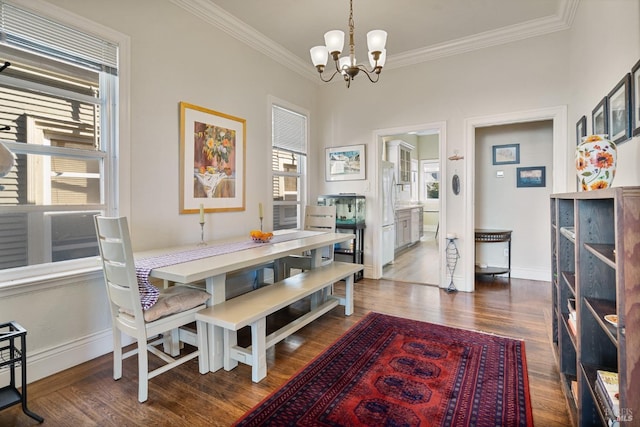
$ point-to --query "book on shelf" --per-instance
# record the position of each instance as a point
(606, 409)
(572, 326)
(571, 303)
(608, 381)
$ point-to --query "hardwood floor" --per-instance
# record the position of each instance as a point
(418, 264)
(87, 395)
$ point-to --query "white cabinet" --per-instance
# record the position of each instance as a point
(416, 214)
(399, 153)
(408, 227)
(403, 228)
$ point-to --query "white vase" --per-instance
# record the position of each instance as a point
(596, 159)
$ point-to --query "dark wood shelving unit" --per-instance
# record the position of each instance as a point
(593, 239)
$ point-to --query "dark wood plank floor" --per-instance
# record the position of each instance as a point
(87, 395)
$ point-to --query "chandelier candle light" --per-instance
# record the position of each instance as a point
(347, 66)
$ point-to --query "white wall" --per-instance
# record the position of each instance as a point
(500, 204)
(597, 60)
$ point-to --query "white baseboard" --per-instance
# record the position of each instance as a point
(531, 274)
(43, 363)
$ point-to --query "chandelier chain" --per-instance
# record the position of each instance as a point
(352, 47)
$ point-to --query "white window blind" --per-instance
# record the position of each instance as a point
(289, 130)
(24, 30)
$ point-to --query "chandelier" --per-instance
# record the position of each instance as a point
(347, 65)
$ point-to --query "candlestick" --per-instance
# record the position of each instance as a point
(260, 210)
(202, 242)
(201, 213)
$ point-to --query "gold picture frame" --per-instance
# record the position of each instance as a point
(212, 160)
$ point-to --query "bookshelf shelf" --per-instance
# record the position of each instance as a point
(593, 238)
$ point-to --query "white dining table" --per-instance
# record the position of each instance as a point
(213, 269)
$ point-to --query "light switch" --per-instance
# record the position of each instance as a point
(499, 174)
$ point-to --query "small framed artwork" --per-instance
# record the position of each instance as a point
(345, 163)
(600, 118)
(212, 160)
(620, 111)
(581, 129)
(506, 154)
(531, 176)
(635, 98)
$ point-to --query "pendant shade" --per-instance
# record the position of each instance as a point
(319, 55)
(334, 40)
(376, 40)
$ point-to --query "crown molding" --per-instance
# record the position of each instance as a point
(218, 17)
(221, 19)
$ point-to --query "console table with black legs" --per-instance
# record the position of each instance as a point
(12, 355)
(494, 236)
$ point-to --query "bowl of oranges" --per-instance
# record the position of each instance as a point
(260, 236)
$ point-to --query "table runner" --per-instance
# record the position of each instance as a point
(149, 293)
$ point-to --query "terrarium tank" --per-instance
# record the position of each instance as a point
(350, 208)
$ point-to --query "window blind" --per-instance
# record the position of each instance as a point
(24, 30)
(289, 130)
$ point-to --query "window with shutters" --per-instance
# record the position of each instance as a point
(54, 120)
(289, 165)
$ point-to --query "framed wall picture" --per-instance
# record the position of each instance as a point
(534, 176)
(600, 118)
(506, 154)
(620, 110)
(581, 129)
(212, 160)
(635, 99)
(345, 163)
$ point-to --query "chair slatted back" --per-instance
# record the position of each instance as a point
(118, 265)
(320, 218)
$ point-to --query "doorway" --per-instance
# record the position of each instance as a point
(558, 115)
(422, 262)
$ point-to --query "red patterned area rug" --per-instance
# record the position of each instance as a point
(390, 371)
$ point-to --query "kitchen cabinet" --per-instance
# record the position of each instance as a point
(403, 228)
(408, 226)
(416, 216)
(399, 153)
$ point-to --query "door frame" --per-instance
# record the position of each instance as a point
(560, 166)
(441, 128)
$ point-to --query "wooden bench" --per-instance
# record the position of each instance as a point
(253, 308)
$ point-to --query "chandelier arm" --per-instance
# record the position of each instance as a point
(330, 78)
(368, 74)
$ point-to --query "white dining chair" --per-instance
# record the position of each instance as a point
(316, 218)
(175, 308)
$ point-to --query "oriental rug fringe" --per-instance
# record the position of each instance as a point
(390, 371)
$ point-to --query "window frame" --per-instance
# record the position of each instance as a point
(117, 158)
(303, 185)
